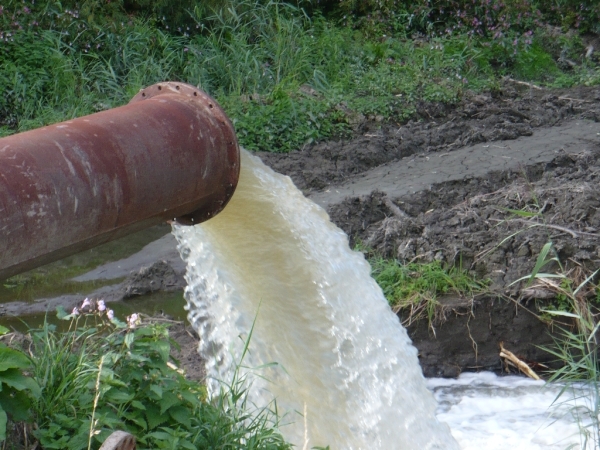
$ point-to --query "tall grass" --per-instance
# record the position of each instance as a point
(57, 62)
(103, 375)
(576, 347)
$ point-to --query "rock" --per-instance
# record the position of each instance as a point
(160, 276)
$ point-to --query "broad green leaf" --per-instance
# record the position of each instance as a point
(168, 399)
(181, 414)
(136, 418)
(15, 379)
(61, 314)
(190, 397)
(157, 390)
(138, 405)
(3, 422)
(154, 417)
(164, 349)
(80, 440)
(16, 403)
(3, 330)
(160, 435)
(119, 324)
(129, 337)
(13, 359)
(118, 396)
(187, 444)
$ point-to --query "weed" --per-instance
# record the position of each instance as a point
(415, 287)
(104, 374)
(576, 348)
(17, 390)
(61, 60)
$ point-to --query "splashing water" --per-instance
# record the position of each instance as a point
(272, 264)
(516, 413)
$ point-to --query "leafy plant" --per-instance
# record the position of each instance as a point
(103, 374)
(17, 389)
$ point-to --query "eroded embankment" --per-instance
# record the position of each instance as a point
(443, 189)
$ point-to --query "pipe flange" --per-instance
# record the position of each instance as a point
(233, 150)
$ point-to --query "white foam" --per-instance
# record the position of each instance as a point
(488, 412)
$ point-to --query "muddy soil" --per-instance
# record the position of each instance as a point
(494, 224)
(511, 112)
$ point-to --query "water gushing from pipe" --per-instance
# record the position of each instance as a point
(272, 263)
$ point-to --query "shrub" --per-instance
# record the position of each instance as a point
(102, 375)
(17, 389)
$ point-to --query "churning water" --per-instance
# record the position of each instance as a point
(516, 413)
(272, 264)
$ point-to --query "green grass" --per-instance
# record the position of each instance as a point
(414, 288)
(61, 62)
(576, 344)
(104, 375)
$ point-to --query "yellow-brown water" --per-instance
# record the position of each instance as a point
(273, 264)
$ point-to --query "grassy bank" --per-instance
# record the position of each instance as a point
(287, 75)
(102, 375)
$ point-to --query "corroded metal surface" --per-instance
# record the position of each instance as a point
(171, 153)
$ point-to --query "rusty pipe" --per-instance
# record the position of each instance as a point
(171, 153)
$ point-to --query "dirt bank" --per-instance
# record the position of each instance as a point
(447, 188)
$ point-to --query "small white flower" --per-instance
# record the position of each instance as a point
(86, 303)
(101, 305)
(75, 311)
(132, 320)
(110, 314)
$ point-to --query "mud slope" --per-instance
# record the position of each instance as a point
(444, 188)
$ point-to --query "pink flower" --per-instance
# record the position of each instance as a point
(133, 320)
(75, 311)
(101, 305)
(86, 303)
(110, 314)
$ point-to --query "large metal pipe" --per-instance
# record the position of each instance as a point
(171, 153)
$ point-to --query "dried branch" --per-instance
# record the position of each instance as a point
(521, 365)
(395, 210)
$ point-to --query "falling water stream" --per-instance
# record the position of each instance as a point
(272, 264)
(272, 270)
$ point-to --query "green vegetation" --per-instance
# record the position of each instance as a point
(17, 390)
(576, 347)
(104, 375)
(415, 287)
(288, 73)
